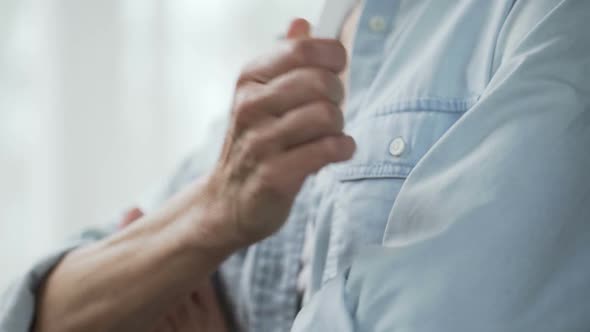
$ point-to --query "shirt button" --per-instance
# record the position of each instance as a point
(377, 24)
(397, 147)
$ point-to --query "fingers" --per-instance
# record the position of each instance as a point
(286, 124)
(299, 28)
(296, 88)
(327, 54)
(131, 216)
(304, 71)
(299, 50)
(291, 113)
(308, 123)
(288, 92)
(292, 167)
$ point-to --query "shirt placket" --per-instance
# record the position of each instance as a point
(368, 54)
(368, 51)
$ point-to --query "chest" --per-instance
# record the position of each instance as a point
(415, 68)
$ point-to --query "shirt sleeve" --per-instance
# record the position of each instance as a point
(17, 303)
(499, 209)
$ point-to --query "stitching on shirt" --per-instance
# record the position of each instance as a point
(430, 104)
(374, 171)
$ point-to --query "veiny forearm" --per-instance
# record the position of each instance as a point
(126, 282)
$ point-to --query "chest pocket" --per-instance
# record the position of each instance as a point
(389, 145)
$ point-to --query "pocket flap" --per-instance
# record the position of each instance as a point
(389, 146)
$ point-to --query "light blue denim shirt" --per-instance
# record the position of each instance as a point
(467, 204)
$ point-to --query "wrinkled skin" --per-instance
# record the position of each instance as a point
(198, 311)
(286, 124)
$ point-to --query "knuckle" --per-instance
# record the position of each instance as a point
(251, 145)
(245, 105)
(245, 75)
(249, 153)
(257, 145)
(267, 181)
(243, 78)
(329, 115)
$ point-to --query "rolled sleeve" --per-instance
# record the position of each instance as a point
(18, 302)
(17, 308)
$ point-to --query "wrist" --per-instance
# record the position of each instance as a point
(200, 227)
(202, 233)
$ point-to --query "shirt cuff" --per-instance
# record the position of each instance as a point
(18, 302)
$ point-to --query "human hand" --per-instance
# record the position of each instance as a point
(286, 125)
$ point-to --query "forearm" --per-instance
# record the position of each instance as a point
(126, 282)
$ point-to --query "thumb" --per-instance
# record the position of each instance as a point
(299, 28)
(130, 217)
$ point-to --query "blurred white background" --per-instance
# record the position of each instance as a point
(100, 99)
